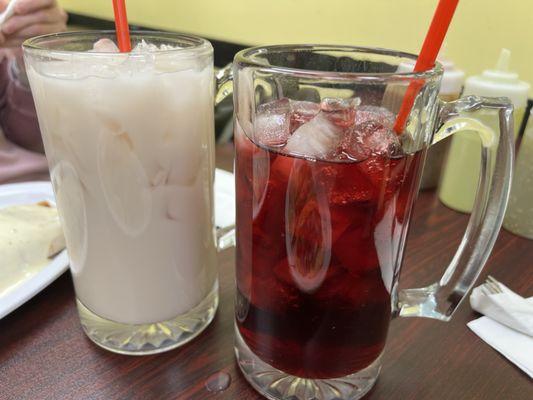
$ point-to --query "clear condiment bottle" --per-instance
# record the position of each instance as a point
(461, 170)
(450, 89)
(519, 216)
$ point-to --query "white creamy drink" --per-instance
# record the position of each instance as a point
(129, 139)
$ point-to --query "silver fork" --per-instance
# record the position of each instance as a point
(491, 286)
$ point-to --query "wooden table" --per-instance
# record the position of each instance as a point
(45, 355)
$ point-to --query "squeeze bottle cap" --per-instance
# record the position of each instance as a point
(452, 79)
(500, 81)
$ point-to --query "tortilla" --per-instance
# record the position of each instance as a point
(29, 236)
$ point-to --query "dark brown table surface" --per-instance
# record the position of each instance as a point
(45, 355)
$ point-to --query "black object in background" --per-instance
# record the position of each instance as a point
(525, 120)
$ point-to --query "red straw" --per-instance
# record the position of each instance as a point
(121, 24)
(426, 60)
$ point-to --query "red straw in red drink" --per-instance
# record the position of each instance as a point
(426, 60)
(121, 24)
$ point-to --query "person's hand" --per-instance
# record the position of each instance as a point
(31, 18)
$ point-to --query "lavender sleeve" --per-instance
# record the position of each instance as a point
(21, 146)
(17, 110)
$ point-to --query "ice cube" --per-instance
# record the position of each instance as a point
(354, 147)
(124, 182)
(318, 138)
(346, 184)
(356, 250)
(374, 114)
(271, 123)
(160, 178)
(340, 111)
(384, 142)
(302, 112)
(105, 46)
(143, 47)
(371, 134)
(386, 174)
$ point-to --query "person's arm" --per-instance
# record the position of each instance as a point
(18, 119)
(17, 111)
(21, 147)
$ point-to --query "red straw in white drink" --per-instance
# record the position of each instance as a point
(121, 24)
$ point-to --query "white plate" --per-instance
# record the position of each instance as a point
(27, 193)
(33, 192)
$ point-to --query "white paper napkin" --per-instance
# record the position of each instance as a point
(505, 311)
(224, 199)
(515, 346)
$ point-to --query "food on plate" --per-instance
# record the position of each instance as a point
(29, 236)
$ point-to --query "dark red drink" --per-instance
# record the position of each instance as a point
(324, 194)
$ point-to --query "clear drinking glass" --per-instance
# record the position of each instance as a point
(325, 190)
(129, 141)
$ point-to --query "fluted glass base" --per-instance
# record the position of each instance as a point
(277, 385)
(149, 338)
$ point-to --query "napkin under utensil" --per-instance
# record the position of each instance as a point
(508, 322)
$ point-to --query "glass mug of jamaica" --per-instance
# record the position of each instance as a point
(325, 187)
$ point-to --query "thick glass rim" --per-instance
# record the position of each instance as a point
(195, 44)
(250, 58)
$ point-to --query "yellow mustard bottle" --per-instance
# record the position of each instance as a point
(461, 170)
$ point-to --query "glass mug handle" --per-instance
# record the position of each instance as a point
(225, 237)
(224, 83)
(442, 298)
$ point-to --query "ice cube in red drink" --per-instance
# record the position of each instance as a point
(317, 138)
(371, 134)
(302, 112)
(272, 123)
(341, 112)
